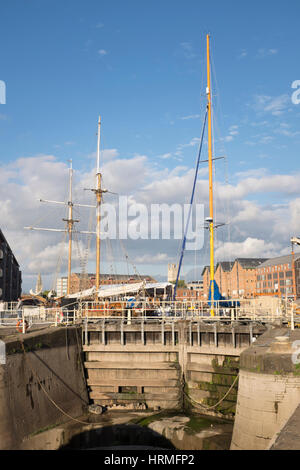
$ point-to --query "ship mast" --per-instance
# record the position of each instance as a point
(210, 169)
(70, 223)
(98, 193)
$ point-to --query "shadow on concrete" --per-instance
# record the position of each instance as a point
(120, 436)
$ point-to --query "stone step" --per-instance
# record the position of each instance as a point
(95, 395)
(131, 365)
(138, 382)
(206, 367)
(96, 347)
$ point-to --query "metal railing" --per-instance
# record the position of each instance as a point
(29, 318)
(240, 310)
(252, 309)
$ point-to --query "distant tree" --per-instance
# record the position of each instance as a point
(181, 284)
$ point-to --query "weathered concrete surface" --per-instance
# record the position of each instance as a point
(288, 438)
(269, 389)
(129, 430)
(152, 364)
(51, 369)
(71, 431)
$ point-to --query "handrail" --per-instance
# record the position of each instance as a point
(247, 310)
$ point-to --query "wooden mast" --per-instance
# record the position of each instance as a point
(210, 169)
(70, 222)
(98, 199)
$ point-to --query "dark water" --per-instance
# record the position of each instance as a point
(163, 431)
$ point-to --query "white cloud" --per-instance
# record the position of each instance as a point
(165, 156)
(192, 116)
(243, 54)
(249, 248)
(102, 52)
(274, 105)
(187, 50)
(150, 258)
(232, 133)
(262, 53)
(257, 228)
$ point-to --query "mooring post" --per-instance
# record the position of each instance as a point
(122, 333)
(251, 333)
(86, 332)
(163, 333)
(215, 335)
(198, 334)
(23, 321)
(190, 334)
(173, 333)
(292, 319)
(233, 337)
(103, 331)
(142, 332)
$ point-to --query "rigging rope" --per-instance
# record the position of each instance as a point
(216, 404)
(191, 204)
(59, 262)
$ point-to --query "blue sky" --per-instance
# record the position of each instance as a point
(141, 65)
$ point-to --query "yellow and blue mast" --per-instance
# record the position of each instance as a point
(210, 171)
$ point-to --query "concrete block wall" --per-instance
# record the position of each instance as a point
(265, 402)
(157, 365)
(52, 364)
(269, 390)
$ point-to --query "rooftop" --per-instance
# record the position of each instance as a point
(251, 263)
(279, 260)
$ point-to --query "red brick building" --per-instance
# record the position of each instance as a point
(236, 279)
(276, 277)
(192, 292)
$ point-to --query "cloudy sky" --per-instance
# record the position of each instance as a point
(142, 67)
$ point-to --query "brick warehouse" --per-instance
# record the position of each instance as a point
(10, 274)
(252, 277)
(275, 276)
(236, 279)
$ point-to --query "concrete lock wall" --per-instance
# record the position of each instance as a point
(164, 365)
(269, 390)
(51, 365)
